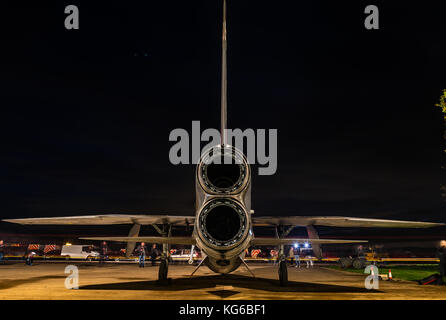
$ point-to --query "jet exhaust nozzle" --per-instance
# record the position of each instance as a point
(223, 170)
(223, 223)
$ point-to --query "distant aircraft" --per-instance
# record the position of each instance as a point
(223, 222)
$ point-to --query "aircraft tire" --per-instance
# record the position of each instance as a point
(358, 263)
(345, 262)
(283, 274)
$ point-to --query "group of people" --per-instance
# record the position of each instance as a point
(142, 250)
(296, 258)
(28, 258)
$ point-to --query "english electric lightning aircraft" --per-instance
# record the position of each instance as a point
(223, 222)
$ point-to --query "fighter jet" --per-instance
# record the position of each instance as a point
(223, 221)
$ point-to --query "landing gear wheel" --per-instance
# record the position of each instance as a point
(358, 263)
(345, 262)
(162, 271)
(283, 274)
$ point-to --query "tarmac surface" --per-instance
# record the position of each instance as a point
(112, 281)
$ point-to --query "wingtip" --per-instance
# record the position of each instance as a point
(434, 224)
(10, 220)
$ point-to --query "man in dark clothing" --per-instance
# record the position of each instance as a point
(441, 254)
(142, 251)
(2, 252)
(153, 254)
(103, 252)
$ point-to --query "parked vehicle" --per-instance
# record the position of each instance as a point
(78, 252)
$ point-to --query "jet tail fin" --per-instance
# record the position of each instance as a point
(224, 81)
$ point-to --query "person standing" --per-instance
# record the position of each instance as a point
(291, 255)
(103, 252)
(142, 250)
(273, 254)
(29, 259)
(441, 254)
(297, 257)
(309, 261)
(2, 252)
(153, 254)
(360, 251)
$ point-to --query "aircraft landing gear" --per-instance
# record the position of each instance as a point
(283, 273)
(162, 271)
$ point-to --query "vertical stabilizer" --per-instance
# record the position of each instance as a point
(224, 88)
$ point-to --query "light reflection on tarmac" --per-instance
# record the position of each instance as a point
(127, 281)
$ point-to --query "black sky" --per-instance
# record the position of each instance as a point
(86, 114)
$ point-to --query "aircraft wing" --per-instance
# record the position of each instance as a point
(331, 221)
(167, 240)
(107, 220)
(291, 241)
(335, 221)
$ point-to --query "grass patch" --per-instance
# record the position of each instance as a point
(408, 272)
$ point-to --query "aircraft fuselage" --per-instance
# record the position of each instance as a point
(223, 228)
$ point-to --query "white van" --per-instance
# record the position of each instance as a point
(183, 254)
(78, 252)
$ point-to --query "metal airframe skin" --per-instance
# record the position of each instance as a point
(220, 258)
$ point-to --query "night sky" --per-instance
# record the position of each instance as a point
(86, 114)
